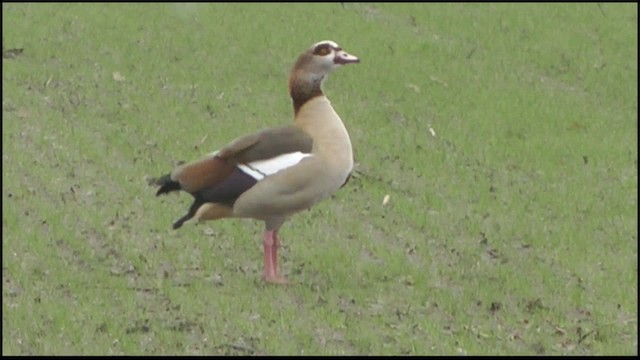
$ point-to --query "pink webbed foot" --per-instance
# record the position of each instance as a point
(275, 279)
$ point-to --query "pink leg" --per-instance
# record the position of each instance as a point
(267, 244)
(271, 269)
(274, 253)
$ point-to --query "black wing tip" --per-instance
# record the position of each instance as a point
(166, 184)
(197, 202)
(178, 224)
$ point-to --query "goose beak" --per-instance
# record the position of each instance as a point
(342, 58)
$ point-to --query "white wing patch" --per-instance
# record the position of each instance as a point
(263, 168)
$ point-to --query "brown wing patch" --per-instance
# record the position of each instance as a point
(201, 174)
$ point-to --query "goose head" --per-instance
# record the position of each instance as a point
(313, 66)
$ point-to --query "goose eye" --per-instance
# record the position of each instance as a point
(322, 50)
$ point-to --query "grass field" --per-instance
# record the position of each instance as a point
(505, 136)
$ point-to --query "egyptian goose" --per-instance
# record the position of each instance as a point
(272, 174)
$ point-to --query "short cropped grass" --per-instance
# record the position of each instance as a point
(504, 137)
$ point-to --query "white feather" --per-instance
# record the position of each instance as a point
(331, 43)
(263, 168)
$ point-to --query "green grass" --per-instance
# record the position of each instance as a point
(511, 231)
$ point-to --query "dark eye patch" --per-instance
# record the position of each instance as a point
(322, 49)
